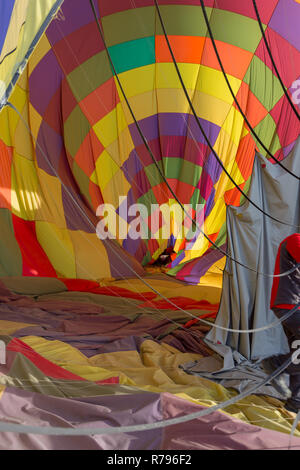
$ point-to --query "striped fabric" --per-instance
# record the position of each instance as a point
(88, 150)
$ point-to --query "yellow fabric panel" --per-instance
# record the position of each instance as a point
(23, 140)
(9, 119)
(35, 121)
(233, 125)
(174, 101)
(197, 77)
(137, 81)
(25, 194)
(68, 358)
(105, 169)
(213, 280)
(18, 17)
(170, 287)
(21, 34)
(211, 82)
(166, 75)
(211, 108)
(58, 247)
(143, 106)
(110, 126)
(9, 327)
(90, 255)
(2, 389)
(39, 53)
(52, 208)
(156, 369)
(121, 148)
(118, 185)
(216, 218)
(226, 150)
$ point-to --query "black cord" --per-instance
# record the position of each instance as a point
(235, 98)
(158, 168)
(273, 61)
(203, 132)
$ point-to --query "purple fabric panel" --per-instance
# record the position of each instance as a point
(89, 345)
(131, 246)
(212, 167)
(184, 341)
(285, 21)
(40, 96)
(217, 431)
(48, 152)
(192, 271)
(202, 266)
(76, 14)
(132, 166)
(287, 150)
(173, 124)
(122, 265)
(210, 203)
(118, 410)
(75, 218)
(178, 259)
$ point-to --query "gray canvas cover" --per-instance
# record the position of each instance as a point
(254, 239)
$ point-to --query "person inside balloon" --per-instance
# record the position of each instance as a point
(285, 296)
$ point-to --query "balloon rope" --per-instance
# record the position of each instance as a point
(234, 96)
(161, 173)
(60, 431)
(273, 61)
(204, 133)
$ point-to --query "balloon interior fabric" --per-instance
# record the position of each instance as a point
(100, 152)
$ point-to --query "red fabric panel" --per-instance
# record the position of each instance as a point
(276, 279)
(47, 367)
(35, 260)
(183, 302)
(293, 246)
(82, 285)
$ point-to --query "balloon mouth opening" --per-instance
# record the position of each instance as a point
(165, 258)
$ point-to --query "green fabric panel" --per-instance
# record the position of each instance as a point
(235, 29)
(182, 20)
(129, 25)
(263, 83)
(153, 174)
(221, 239)
(147, 199)
(90, 75)
(112, 305)
(76, 129)
(246, 189)
(266, 130)
(133, 54)
(182, 170)
(10, 253)
(196, 198)
(34, 285)
(83, 182)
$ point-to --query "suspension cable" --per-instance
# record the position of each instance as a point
(273, 61)
(204, 133)
(158, 168)
(234, 96)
